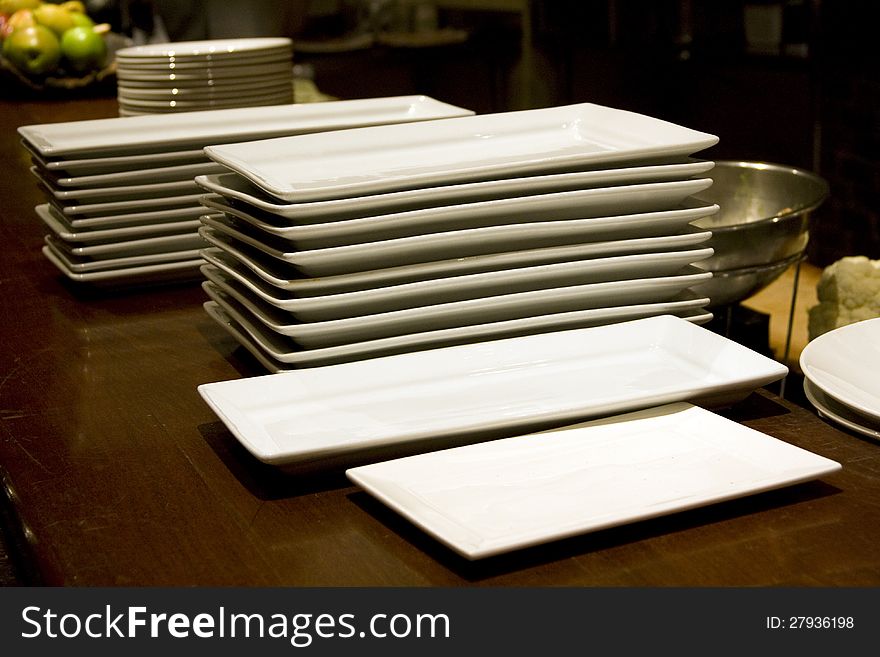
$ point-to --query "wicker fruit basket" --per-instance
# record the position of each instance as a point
(16, 84)
(59, 82)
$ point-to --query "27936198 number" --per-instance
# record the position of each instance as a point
(810, 623)
(821, 622)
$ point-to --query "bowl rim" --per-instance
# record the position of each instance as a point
(803, 209)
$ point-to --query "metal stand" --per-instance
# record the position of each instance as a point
(737, 322)
(787, 350)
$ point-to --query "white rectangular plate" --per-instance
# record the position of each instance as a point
(137, 176)
(114, 194)
(188, 130)
(163, 271)
(133, 247)
(282, 276)
(457, 243)
(236, 187)
(483, 500)
(455, 314)
(453, 288)
(505, 385)
(63, 230)
(75, 209)
(554, 206)
(278, 353)
(84, 264)
(122, 220)
(119, 164)
(502, 145)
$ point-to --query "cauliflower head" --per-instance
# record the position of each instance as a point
(848, 291)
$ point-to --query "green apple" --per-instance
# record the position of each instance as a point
(34, 50)
(81, 20)
(83, 49)
(55, 17)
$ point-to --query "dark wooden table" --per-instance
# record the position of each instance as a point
(117, 473)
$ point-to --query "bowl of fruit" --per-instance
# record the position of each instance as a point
(52, 46)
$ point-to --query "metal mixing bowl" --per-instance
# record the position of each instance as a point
(762, 227)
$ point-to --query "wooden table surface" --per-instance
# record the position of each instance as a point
(117, 473)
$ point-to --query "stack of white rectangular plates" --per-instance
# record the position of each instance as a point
(373, 241)
(122, 205)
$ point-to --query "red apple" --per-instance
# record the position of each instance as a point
(20, 18)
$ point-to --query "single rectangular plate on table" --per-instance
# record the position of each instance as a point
(502, 145)
(487, 388)
(186, 130)
(483, 500)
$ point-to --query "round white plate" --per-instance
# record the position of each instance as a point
(220, 103)
(261, 88)
(270, 95)
(179, 103)
(828, 408)
(209, 84)
(214, 73)
(201, 49)
(844, 364)
(172, 65)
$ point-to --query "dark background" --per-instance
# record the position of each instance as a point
(811, 100)
(814, 102)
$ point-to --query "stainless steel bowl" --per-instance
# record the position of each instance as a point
(762, 227)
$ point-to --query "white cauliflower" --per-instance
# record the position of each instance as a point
(848, 292)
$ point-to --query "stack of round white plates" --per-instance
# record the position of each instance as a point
(840, 376)
(188, 76)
